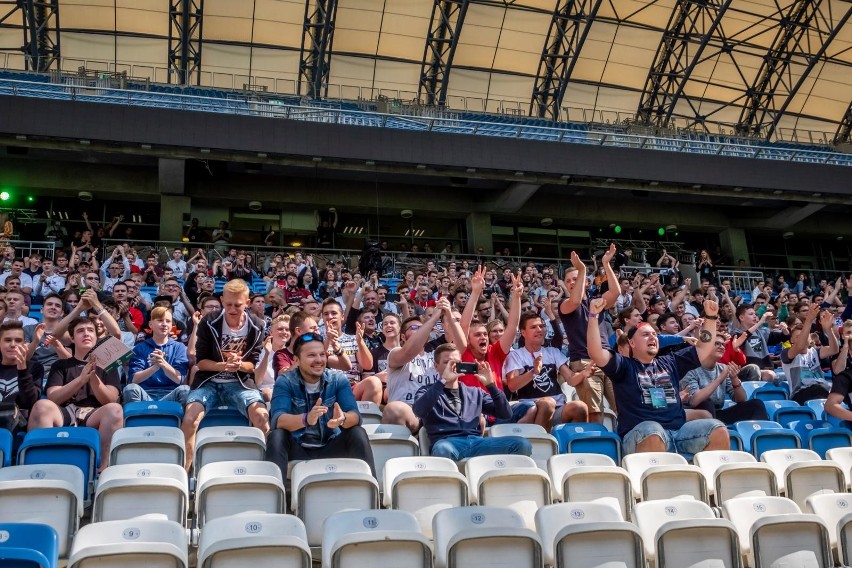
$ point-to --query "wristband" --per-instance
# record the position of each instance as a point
(711, 318)
(305, 420)
(593, 316)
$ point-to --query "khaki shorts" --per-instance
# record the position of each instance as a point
(593, 390)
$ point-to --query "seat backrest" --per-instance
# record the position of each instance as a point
(29, 542)
(37, 472)
(710, 460)
(244, 527)
(831, 508)
(237, 469)
(448, 523)
(395, 467)
(169, 471)
(350, 522)
(140, 535)
(780, 460)
(304, 469)
(636, 464)
(226, 443)
(818, 406)
(650, 516)
(389, 432)
(476, 467)
(525, 430)
(162, 444)
(559, 464)
(79, 446)
(369, 407)
(773, 406)
(554, 517)
(744, 511)
(5, 448)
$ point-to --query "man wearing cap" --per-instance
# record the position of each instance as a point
(314, 413)
(651, 417)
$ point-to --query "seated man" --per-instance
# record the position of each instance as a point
(159, 364)
(451, 411)
(79, 393)
(801, 361)
(651, 417)
(20, 379)
(314, 412)
(228, 346)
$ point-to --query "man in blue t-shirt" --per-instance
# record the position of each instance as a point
(650, 414)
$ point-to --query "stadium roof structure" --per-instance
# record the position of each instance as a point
(771, 69)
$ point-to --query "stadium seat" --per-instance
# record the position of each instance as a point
(731, 474)
(390, 441)
(323, 487)
(843, 457)
(684, 533)
(150, 444)
(484, 537)
(134, 490)
(821, 436)
(510, 481)
(592, 534)
(148, 542)
(735, 439)
(761, 435)
(5, 448)
(543, 444)
(586, 477)
(610, 419)
(588, 438)
(28, 545)
(770, 392)
(153, 413)
(228, 443)
(422, 486)
(370, 412)
(818, 406)
(223, 416)
(786, 411)
(231, 487)
(801, 473)
(834, 510)
(43, 494)
(258, 540)
(376, 537)
(750, 386)
(774, 533)
(664, 475)
(78, 446)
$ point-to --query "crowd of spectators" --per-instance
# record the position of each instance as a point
(450, 346)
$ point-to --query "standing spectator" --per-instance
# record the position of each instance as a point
(705, 268)
(159, 364)
(222, 236)
(194, 233)
(326, 226)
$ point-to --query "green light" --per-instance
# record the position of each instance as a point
(617, 229)
(661, 231)
(30, 198)
(4, 196)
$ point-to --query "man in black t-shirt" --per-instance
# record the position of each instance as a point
(79, 393)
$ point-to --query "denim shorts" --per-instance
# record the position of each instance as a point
(519, 410)
(213, 395)
(690, 439)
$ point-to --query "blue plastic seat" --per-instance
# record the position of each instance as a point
(153, 413)
(28, 545)
(736, 440)
(786, 411)
(79, 446)
(750, 386)
(584, 437)
(821, 435)
(763, 435)
(224, 416)
(769, 392)
(5, 448)
(818, 406)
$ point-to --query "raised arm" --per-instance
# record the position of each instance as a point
(826, 322)
(612, 292)
(597, 353)
(801, 344)
(517, 290)
(399, 357)
(477, 285)
(707, 336)
(575, 298)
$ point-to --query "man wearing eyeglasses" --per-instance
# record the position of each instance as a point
(228, 348)
(314, 413)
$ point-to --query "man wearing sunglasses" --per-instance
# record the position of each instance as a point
(314, 413)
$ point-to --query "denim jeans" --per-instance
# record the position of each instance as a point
(690, 439)
(135, 393)
(213, 395)
(460, 447)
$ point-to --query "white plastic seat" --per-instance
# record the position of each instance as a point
(390, 441)
(543, 444)
(423, 486)
(511, 481)
(484, 537)
(774, 533)
(45, 494)
(133, 543)
(228, 443)
(664, 475)
(684, 533)
(148, 444)
(843, 456)
(134, 490)
(376, 537)
(320, 488)
(589, 534)
(233, 487)
(370, 412)
(835, 509)
(586, 477)
(731, 474)
(258, 540)
(801, 473)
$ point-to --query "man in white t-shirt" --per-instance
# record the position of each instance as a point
(368, 388)
(15, 305)
(177, 264)
(533, 373)
(801, 360)
(411, 367)
(17, 269)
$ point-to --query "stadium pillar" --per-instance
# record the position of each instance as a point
(734, 242)
(479, 233)
(174, 205)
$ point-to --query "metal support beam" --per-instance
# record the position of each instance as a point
(441, 42)
(41, 44)
(568, 30)
(691, 27)
(803, 23)
(185, 35)
(315, 53)
(844, 129)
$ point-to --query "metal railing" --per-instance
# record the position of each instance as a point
(47, 249)
(568, 134)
